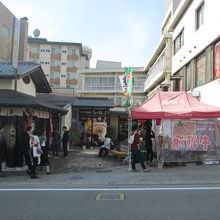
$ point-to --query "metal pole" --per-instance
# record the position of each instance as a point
(129, 135)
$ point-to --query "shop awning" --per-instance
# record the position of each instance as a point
(10, 98)
(93, 102)
(174, 105)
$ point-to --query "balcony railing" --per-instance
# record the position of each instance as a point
(33, 55)
(55, 68)
(155, 72)
(72, 57)
(55, 81)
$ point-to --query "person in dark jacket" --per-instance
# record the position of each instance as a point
(27, 153)
(44, 147)
(65, 141)
(55, 143)
(148, 142)
(135, 150)
(3, 150)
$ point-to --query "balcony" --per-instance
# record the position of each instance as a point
(155, 72)
(72, 69)
(55, 68)
(55, 81)
(55, 56)
(33, 55)
(72, 57)
(71, 81)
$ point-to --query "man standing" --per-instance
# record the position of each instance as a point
(3, 150)
(65, 141)
(135, 150)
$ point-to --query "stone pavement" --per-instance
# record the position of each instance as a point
(111, 173)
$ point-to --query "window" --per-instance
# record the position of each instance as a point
(35, 49)
(55, 75)
(71, 75)
(72, 52)
(200, 69)
(217, 60)
(55, 62)
(70, 86)
(188, 75)
(63, 63)
(71, 63)
(47, 50)
(63, 76)
(56, 50)
(178, 42)
(99, 83)
(138, 83)
(200, 16)
(118, 101)
(42, 50)
(5, 31)
(63, 51)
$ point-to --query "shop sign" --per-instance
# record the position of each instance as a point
(217, 60)
(201, 62)
(100, 128)
(11, 111)
(37, 113)
(3, 111)
(194, 135)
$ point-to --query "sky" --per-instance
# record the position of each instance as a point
(116, 30)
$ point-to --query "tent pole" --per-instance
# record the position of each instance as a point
(129, 135)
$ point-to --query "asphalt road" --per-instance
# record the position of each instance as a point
(139, 204)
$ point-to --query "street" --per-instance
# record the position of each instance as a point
(139, 204)
(190, 192)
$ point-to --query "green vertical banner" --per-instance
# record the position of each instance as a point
(129, 83)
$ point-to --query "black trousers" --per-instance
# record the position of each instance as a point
(150, 154)
(65, 152)
(55, 148)
(0, 164)
(31, 165)
(101, 151)
(137, 157)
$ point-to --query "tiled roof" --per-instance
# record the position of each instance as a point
(12, 98)
(6, 69)
(60, 101)
(93, 102)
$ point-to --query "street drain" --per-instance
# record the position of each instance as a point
(120, 196)
(76, 178)
(103, 171)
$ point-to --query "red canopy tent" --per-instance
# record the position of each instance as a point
(174, 105)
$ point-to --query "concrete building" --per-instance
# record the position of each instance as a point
(196, 49)
(187, 55)
(103, 81)
(10, 29)
(60, 62)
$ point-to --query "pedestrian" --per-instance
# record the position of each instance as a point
(55, 143)
(135, 150)
(35, 152)
(3, 150)
(44, 147)
(27, 152)
(65, 141)
(106, 146)
(148, 142)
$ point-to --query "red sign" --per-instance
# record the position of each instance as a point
(217, 60)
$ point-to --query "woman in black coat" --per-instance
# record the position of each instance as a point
(148, 142)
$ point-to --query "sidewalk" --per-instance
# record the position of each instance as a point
(121, 177)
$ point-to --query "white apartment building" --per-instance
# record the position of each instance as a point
(196, 49)
(103, 81)
(191, 55)
(60, 62)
